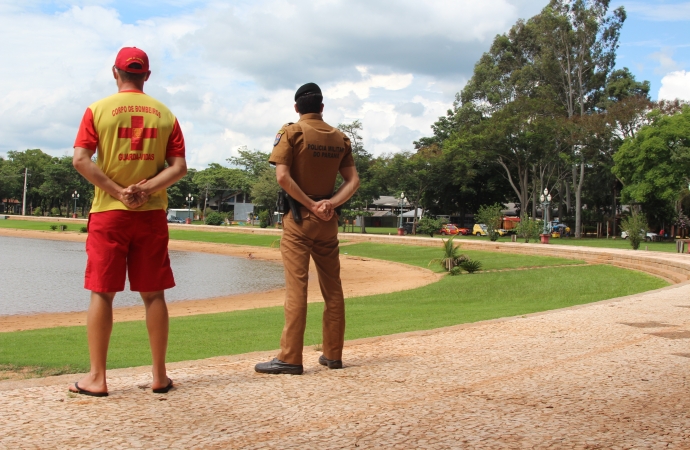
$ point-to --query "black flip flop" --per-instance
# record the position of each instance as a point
(164, 390)
(85, 392)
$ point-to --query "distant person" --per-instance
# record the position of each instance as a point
(308, 156)
(133, 136)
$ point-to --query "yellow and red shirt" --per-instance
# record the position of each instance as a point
(132, 135)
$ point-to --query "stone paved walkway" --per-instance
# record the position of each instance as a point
(615, 374)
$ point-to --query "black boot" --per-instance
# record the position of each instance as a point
(331, 363)
(276, 366)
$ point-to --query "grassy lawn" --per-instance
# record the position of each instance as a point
(453, 300)
(35, 225)
(420, 256)
(590, 242)
(224, 238)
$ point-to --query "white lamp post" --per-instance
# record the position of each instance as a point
(189, 199)
(400, 222)
(545, 202)
(75, 197)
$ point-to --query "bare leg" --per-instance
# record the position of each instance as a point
(157, 325)
(99, 325)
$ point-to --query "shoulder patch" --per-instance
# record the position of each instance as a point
(278, 136)
(281, 132)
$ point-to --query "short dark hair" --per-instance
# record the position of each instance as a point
(132, 77)
(309, 103)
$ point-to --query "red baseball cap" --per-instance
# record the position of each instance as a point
(131, 55)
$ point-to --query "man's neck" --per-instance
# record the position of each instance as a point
(127, 86)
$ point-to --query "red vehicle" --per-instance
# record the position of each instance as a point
(464, 231)
(449, 230)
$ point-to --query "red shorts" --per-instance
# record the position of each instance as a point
(128, 242)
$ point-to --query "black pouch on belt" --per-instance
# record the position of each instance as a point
(290, 204)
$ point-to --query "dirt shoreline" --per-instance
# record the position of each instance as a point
(361, 276)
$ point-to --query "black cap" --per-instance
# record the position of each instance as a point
(309, 88)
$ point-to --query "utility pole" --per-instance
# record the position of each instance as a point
(26, 173)
(203, 214)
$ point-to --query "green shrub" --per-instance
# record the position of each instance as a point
(429, 226)
(633, 225)
(214, 218)
(264, 217)
(491, 216)
(528, 228)
(470, 266)
(83, 230)
(38, 211)
(53, 227)
(55, 212)
(455, 271)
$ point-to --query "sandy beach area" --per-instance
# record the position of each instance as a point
(361, 276)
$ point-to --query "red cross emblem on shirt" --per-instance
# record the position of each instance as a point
(137, 133)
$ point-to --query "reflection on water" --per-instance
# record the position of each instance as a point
(48, 276)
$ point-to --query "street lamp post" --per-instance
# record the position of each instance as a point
(401, 232)
(75, 197)
(545, 202)
(189, 199)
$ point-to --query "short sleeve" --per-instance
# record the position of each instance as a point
(348, 160)
(86, 136)
(175, 147)
(282, 148)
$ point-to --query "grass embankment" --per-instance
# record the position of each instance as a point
(421, 256)
(618, 243)
(453, 300)
(265, 241)
(259, 240)
(38, 225)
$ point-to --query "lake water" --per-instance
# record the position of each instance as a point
(48, 276)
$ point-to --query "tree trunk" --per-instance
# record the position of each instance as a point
(615, 208)
(534, 198)
(578, 198)
(560, 200)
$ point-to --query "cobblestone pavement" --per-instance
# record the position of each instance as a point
(614, 374)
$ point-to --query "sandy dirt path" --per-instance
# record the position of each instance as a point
(361, 276)
(608, 375)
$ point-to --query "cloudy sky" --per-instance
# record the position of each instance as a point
(229, 69)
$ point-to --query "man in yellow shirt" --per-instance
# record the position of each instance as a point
(133, 136)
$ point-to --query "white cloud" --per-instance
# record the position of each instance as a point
(665, 60)
(229, 70)
(675, 85)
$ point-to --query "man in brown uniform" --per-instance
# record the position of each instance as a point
(308, 156)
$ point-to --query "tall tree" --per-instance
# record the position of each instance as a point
(252, 162)
(369, 189)
(654, 165)
(216, 181)
(579, 39)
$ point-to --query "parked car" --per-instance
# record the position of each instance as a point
(172, 219)
(463, 231)
(648, 236)
(407, 228)
(449, 230)
(480, 229)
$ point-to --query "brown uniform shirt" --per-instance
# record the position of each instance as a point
(315, 152)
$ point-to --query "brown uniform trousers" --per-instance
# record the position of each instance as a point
(318, 239)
